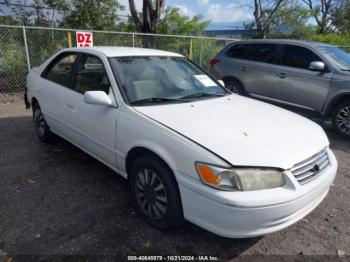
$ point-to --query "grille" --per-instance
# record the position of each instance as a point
(311, 168)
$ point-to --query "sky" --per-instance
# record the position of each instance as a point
(225, 12)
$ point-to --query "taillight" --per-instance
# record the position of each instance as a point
(214, 61)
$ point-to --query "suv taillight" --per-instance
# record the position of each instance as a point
(214, 61)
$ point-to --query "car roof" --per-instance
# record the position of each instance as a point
(114, 51)
(285, 41)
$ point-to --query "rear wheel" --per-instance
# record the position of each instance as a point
(40, 125)
(156, 193)
(341, 118)
(234, 86)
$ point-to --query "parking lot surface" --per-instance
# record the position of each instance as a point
(57, 200)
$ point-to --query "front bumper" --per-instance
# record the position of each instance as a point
(254, 213)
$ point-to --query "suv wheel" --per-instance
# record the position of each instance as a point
(156, 193)
(40, 125)
(234, 86)
(341, 118)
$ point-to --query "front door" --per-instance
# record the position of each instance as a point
(92, 127)
(295, 84)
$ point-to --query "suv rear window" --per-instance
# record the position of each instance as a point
(254, 52)
(236, 51)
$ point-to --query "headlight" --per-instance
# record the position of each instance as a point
(239, 179)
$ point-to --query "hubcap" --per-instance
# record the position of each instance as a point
(151, 194)
(39, 122)
(234, 89)
(343, 120)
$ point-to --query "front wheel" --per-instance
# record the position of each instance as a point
(40, 125)
(156, 193)
(341, 118)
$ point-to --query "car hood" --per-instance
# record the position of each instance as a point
(243, 131)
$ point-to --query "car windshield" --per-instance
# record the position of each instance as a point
(336, 56)
(163, 80)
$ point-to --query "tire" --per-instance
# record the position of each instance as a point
(156, 193)
(41, 128)
(234, 86)
(341, 118)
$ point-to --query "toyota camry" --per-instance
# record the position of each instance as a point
(190, 149)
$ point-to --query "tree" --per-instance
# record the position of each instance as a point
(340, 16)
(176, 24)
(321, 13)
(290, 21)
(21, 13)
(92, 14)
(264, 13)
(151, 12)
(56, 6)
(7, 20)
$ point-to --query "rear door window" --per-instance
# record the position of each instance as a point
(261, 53)
(61, 69)
(298, 56)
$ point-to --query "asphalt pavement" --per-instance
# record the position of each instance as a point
(56, 201)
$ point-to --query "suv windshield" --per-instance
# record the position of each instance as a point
(163, 80)
(336, 56)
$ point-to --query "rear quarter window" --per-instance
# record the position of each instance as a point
(258, 52)
(236, 51)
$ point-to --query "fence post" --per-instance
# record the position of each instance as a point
(26, 47)
(190, 52)
(200, 52)
(133, 39)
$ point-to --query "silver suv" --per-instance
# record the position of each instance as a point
(308, 76)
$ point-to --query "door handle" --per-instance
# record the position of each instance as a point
(243, 68)
(281, 75)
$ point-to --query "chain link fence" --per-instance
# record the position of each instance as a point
(23, 48)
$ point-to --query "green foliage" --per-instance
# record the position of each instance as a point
(8, 20)
(341, 17)
(176, 24)
(331, 38)
(92, 14)
(13, 67)
(291, 21)
(126, 26)
(172, 23)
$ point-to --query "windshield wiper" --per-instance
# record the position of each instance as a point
(158, 100)
(201, 94)
(347, 70)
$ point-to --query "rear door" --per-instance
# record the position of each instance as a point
(254, 64)
(54, 86)
(297, 85)
(93, 127)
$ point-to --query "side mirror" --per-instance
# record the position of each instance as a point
(97, 98)
(221, 83)
(317, 66)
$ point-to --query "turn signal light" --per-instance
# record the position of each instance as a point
(208, 175)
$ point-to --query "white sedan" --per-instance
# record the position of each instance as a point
(189, 148)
